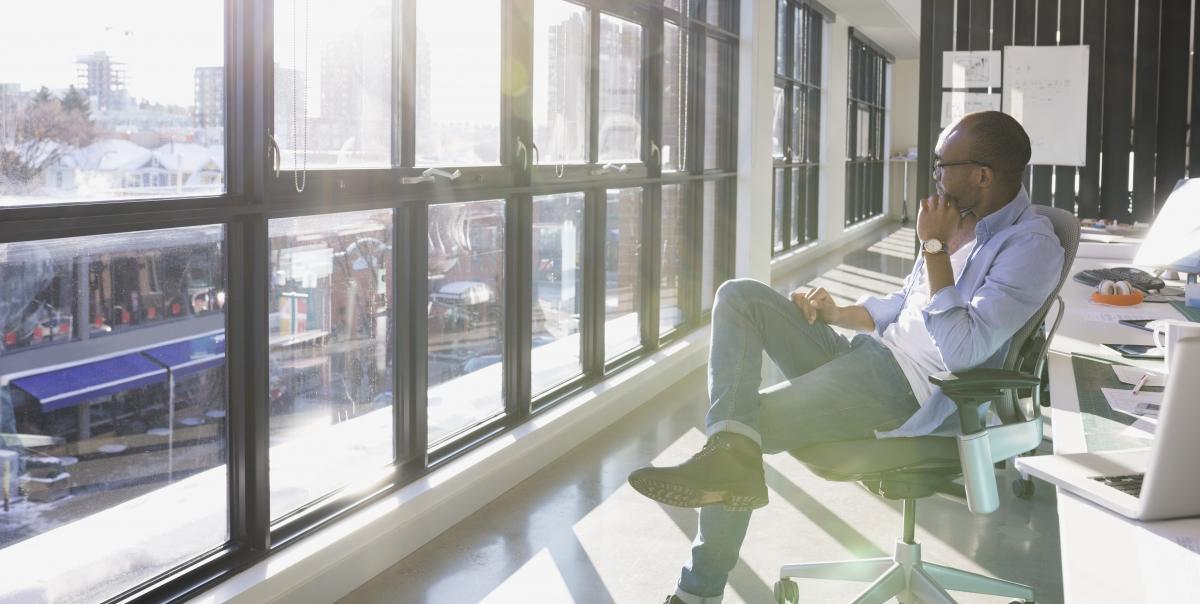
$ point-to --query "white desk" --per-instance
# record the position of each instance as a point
(1106, 557)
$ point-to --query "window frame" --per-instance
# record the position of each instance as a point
(255, 194)
(866, 158)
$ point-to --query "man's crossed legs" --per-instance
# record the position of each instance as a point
(837, 390)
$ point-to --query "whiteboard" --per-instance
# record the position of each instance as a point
(956, 104)
(1045, 88)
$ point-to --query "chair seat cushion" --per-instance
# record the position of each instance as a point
(874, 459)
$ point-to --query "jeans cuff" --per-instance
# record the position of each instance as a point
(694, 599)
(729, 425)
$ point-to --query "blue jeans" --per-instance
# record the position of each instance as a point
(837, 390)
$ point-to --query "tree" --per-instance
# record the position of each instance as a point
(75, 100)
(44, 132)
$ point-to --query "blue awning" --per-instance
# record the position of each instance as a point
(62, 388)
(191, 356)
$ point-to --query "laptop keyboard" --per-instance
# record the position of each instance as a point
(1130, 484)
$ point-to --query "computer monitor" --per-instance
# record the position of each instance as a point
(1174, 239)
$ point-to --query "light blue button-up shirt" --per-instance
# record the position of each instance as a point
(1015, 265)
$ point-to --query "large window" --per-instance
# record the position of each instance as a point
(118, 440)
(866, 113)
(415, 225)
(796, 130)
(111, 100)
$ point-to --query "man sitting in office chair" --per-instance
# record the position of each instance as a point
(988, 262)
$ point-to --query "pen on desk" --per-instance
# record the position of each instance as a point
(1141, 382)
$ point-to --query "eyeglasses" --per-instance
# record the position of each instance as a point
(939, 164)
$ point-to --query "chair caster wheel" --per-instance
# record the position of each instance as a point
(786, 592)
(1023, 488)
(1021, 602)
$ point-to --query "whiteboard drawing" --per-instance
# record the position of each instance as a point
(1045, 89)
(957, 104)
(971, 69)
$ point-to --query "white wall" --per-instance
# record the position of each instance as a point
(905, 90)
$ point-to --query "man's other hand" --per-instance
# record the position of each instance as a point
(816, 304)
(938, 219)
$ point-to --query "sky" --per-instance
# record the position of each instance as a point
(160, 42)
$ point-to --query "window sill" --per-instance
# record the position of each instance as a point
(335, 560)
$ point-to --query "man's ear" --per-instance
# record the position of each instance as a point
(987, 176)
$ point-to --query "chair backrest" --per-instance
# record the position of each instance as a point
(1025, 348)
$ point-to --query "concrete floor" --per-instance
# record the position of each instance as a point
(576, 531)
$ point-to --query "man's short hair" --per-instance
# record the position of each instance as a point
(997, 140)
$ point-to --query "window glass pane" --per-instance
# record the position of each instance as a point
(131, 110)
(620, 89)
(560, 67)
(781, 15)
(708, 250)
(330, 383)
(333, 83)
(778, 123)
(622, 271)
(674, 251)
(466, 315)
(458, 82)
(713, 10)
(716, 90)
(799, 133)
(557, 289)
(674, 97)
(780, 200)
(673, 4)
(113, 450)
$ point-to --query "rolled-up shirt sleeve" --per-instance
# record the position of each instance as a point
(884, 311)
(968, 332)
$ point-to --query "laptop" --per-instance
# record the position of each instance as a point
(1154, 483)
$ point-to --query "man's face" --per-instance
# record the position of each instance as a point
(955, 179)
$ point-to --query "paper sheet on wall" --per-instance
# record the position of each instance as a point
(971, 69)
(1045, 88)
(957, 104)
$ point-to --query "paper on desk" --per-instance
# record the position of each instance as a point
(1104, 313)
(1143, 406)
(1131, 375)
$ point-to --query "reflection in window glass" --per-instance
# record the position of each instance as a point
(466, 315)
(708, 250)
(674, 250)
(131, 110)
(713, 10)
(560, 67)
(119, 470)
(622, 271)
(674, 97)
(557, 289)
(799, 190)
(458, 82)
(620, 89)
(330, 384)
(777, 127)
(333, 84)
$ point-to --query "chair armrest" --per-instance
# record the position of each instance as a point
(982, 381)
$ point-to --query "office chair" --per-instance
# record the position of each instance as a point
(912, 468)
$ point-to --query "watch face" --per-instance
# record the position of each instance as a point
(931, 246)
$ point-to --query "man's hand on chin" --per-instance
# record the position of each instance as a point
(938, 218)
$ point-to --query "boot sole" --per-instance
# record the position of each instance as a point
(684, 496)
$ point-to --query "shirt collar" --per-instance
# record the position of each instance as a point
(1004, 217)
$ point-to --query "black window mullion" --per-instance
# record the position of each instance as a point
(518, 306)
(592, 322)
(410, 380)
(651, 266)
(407, 43)
(247, 334)
(594, 86)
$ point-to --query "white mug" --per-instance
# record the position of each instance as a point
(1168, 331)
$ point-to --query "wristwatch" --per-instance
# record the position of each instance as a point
(933, 246)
